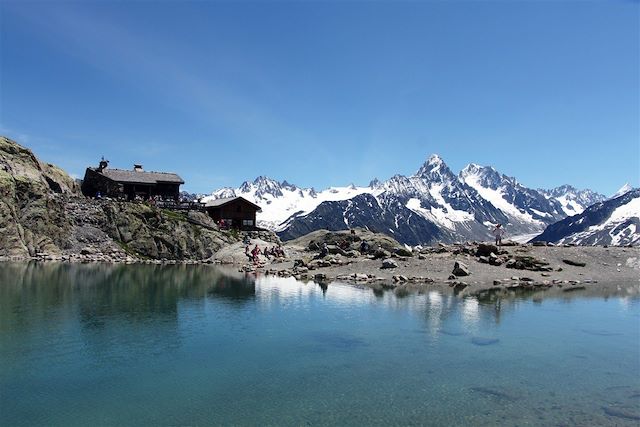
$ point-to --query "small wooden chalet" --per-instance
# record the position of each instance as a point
(233, 212)
(129, 184)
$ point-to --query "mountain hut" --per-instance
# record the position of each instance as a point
(129, 184)
(233, 212)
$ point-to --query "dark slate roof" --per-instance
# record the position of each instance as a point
(140, 177)
(224, 200)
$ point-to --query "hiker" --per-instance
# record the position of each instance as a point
(364, 247)
(498, 232)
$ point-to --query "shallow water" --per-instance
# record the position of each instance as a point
(188, 345)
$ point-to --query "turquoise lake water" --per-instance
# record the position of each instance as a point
(99, 345)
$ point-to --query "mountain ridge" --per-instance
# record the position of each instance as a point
(461, 206)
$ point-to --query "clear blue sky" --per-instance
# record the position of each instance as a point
(327, 93)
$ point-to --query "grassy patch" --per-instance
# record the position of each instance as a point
(174, 216)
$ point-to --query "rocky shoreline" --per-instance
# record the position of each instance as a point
(469, 268)
(466, 268)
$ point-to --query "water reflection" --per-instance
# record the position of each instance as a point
(190, 345)
(35, 292)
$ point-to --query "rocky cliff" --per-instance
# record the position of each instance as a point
(32, 206)
(43, 214)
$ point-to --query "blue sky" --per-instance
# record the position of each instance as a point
(327, 93)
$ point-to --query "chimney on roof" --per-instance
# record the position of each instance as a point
(137, 168)
(103, 164)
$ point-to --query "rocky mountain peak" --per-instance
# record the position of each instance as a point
(290, 187)
(472, 169)
(574, 195)
(261, 186)
(435, 170)
(224, 193)
(375, 183)
(486, 176)
(623, 190)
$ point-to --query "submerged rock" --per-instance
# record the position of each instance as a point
(451, 333)
(494, 392)
(484, 341)
(621, 413)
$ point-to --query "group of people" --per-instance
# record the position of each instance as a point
(254, 254)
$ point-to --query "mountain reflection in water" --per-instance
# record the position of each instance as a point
(198, 345)
(97, 291)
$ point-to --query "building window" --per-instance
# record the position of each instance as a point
(247, 222)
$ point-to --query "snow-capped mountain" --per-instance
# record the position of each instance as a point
(574, 201)
(432, 205)
(280, 200)
(522, 205)
(614, 221)
(623, 190)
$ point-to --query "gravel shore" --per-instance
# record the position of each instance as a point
(554, 268)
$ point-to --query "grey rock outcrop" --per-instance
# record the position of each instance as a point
(33, 193)
(43, 212)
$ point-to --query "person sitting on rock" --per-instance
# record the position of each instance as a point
(498, 232)
(324, 250)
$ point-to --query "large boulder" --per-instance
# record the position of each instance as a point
(389, 263)
(404, 252)
(485, 249)
(460, 269)
(380, 253)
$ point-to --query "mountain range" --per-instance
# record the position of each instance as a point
(432, 205)
(615, 221)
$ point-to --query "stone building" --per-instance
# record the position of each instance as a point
(129, 184)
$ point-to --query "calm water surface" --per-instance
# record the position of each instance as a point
(187, 345)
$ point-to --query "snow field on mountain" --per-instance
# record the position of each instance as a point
(438, 215)
(496, 198)
(617, 217)
(276, 210)
(570, 207)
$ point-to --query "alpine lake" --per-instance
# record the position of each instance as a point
(184, 345)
